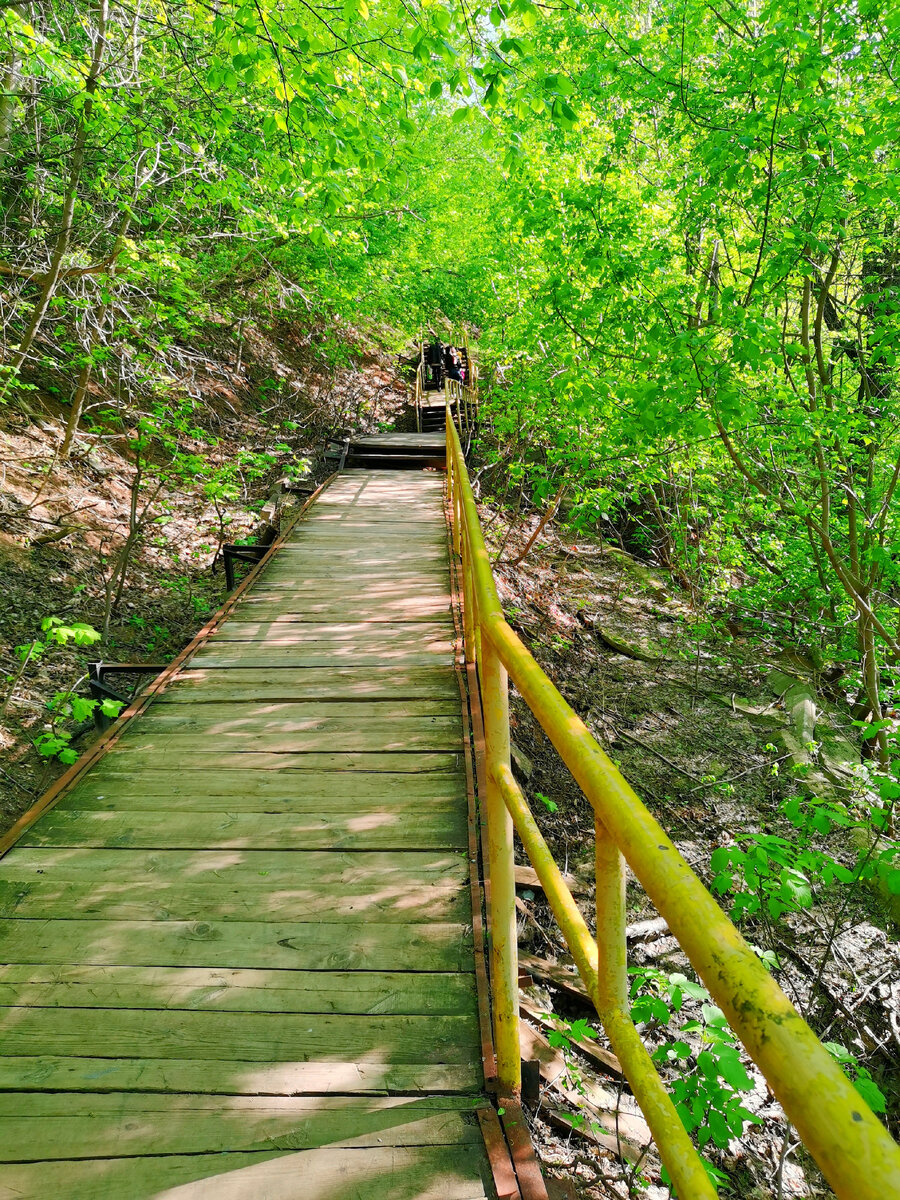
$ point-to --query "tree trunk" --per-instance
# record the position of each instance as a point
(51, 278)
(10, 82)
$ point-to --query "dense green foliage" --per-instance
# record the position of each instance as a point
(675, 227)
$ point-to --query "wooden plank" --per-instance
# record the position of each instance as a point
(317, 609)
(344, 684)
(359, 711)
(380, 533)
(267, 791)
(44, 985)
(368, 808)
(398, 496)
(203, 759)
(172, 829)
(432, 587)
(257, 900)
(382, 1173)
(268, 607)
(363, 635)
(80, 1073)
(411, 441)
(383, 504)
(243, 1036)
(318, 518)
(361, 868)
(417, 557)
(325, 736)
(290, 718)
(354, 486)
(345, 582)
(36, 1127)
(356, 576)
(260, 655)
(310, 946)
(334, 632)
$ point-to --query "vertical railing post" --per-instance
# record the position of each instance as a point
(612, 966)
(502, 922)
(470, 612)
(453, 484)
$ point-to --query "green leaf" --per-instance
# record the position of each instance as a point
(871, 1093)
(732, 1069)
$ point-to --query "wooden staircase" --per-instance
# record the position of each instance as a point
(399, 451)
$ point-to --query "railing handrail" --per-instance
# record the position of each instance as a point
(853, 1149)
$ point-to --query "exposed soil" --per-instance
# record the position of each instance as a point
(278, 388)
(695, 726)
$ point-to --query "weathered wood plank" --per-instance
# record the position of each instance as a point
(202, 759)
(390, 520)
(338, 684)
(243, 1036)
(435, 439)
(384, 1173)
(415, 535)
(249, 900)
(294, 719)
(261, 655)
(286, 944)
(293, 556)
(364, 636)
(250, 800)
(305, 610)
(343, 737)
(177, 830)
(356, 577)
(38, 1127)
(341, 585)
(356, 711)
(364, 869)
(44, 985)
(78, 1073)
(267, 791)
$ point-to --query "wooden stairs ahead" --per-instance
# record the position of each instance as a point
(243, 958)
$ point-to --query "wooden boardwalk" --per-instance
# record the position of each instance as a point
(240, 948)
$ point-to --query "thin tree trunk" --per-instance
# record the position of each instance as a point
(10, 83)
(548, 515)
(84, 375)
(51, 278)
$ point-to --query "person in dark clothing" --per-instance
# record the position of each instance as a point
(434, 363)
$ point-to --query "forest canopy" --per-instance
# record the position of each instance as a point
(673, 226)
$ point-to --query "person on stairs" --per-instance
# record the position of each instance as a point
(434, 364)
(451, 364)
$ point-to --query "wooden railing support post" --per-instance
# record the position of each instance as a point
(504, 954)
(612, 965)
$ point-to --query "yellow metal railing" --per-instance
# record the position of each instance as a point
(856, 1154)
(420, 387)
